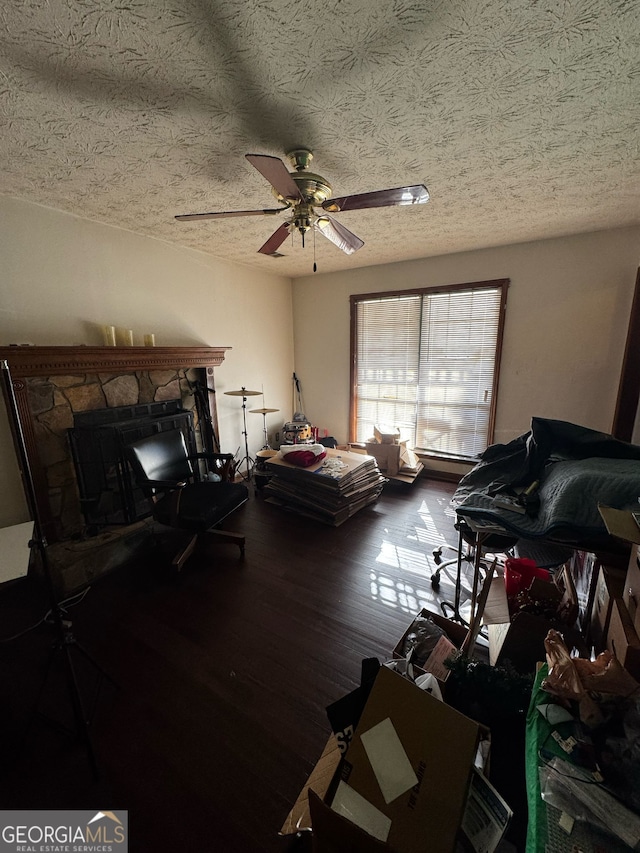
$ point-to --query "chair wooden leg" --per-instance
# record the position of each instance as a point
(182, 556)
(229, 536)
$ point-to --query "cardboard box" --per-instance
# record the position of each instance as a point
(568, 606)
(622, 638)
(620, 523)
(521, 641)
(403, 785)
(486, 816)
(610, 585)
(456, 635)
(299, 818)
(631, 592)
(409, 460)
(385, 434)
(387, 456)
(498, 621)
(353, 448)
(496, 610)
(393, 458)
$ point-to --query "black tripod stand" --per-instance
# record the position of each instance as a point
(65, 646)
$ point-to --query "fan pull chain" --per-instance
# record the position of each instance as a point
(315, 268)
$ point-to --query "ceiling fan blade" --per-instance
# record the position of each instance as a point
(274, 170)
(339, 235)
(226, 214)
(276, 240)
(417, 194)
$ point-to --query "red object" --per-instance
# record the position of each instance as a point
(518, 574)
(303, 458)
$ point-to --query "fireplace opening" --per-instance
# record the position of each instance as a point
(108, 492)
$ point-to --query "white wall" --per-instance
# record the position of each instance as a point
(566, 325)
(62, 278)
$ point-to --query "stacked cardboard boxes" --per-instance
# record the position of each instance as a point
(393, 456)
(622, 609)
(621, 600)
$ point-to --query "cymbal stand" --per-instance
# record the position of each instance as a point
(248, 460)
(266, 445)
(264, 412)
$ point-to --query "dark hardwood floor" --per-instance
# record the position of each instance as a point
(222, 673)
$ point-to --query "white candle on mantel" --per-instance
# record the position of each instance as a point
(125, 337)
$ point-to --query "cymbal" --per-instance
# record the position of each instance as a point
(262, 411)
(243, 393)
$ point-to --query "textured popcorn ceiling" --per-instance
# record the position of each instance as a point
(522, 118)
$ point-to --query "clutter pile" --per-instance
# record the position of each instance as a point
(525, 606)
(404, 770)
(583, 722)
(330, 489)
(410, 763)
(583, 748)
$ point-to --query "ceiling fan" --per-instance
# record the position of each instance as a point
(302, 192)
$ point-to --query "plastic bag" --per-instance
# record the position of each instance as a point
(403, 667)
(605, 674)
(563, 679)
(426, 681)
(578, 679)
(576, 793)
(429, 683)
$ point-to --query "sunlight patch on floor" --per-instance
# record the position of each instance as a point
(405, 565)
(402, 579)
(430, 531)
(407, 559)
(399, 594)
(411, 599)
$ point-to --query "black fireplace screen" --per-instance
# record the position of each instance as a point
(108, 493)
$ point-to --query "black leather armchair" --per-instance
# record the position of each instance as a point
(164, 471)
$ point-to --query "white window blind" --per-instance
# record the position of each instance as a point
(426, 362)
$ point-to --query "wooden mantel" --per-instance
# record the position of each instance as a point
(30, 361)
(24, 362)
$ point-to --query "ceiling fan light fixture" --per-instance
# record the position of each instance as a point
(301, 191)
(303, 217)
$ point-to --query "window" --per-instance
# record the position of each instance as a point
(426, 361)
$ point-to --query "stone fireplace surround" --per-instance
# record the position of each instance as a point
(50, 384)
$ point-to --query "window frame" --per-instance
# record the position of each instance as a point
(501, 283)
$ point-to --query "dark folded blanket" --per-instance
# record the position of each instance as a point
(577, 469)
(569, 496)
